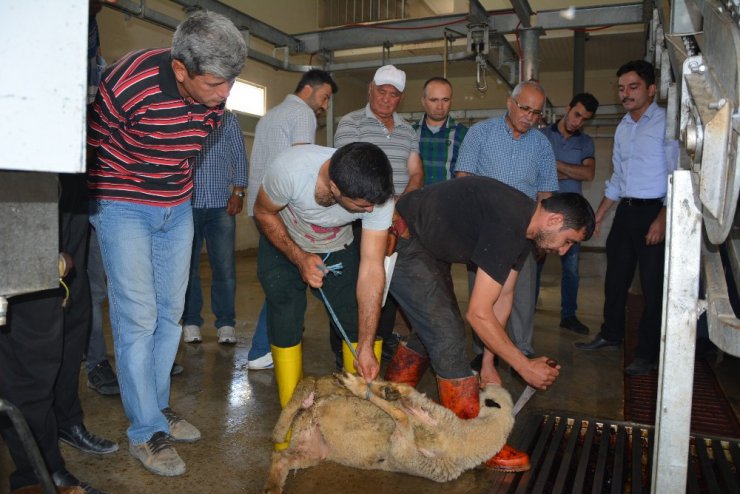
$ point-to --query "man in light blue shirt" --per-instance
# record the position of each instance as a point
(642, 160)
(507, 149)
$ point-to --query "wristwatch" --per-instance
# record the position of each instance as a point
(239, 193)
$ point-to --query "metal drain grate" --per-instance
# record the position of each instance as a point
(582, 455)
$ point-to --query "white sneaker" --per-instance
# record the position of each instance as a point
(191, 334)
(226, 335)
(263, 362)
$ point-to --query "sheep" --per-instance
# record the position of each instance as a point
(384, 426)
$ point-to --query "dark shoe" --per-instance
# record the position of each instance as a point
(597, 343)
(574, 324)
(62, 478)
(103, 380)
(640, 366)
(177, 369)
(80, 438)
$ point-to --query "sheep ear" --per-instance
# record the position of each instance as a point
(491, 403)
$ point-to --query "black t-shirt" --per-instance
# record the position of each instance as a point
(471, 219)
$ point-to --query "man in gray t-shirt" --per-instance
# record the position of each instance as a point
(309, 197)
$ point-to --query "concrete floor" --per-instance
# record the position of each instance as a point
(235, 409)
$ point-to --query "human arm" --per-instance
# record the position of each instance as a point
(488, 311)
(370, 283)
(656, 232)
(583, 172)
(603, 208)
(416, 173)
(272, 227)
(239, 164)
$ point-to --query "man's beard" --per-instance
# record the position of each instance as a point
(325, 199)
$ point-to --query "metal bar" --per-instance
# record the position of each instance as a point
(531, 54)
(724, 468)
(579, 62)
(575, 432)
(243, 21)
(600, 467)
(580, 476)
(636, 469)
(618, 472)
(29, 445)
(552, 451)
(710, 481)
(692, 483)
(735, 454)
(523, 12)
(678, 334)
(534, 458)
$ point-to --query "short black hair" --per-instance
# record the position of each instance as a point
(644, 69)
(361, 170)
(577, 212)
(589, 102)
(316, 78)
(436, 79)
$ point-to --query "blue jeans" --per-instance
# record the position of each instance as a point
(216, 227)
(568, 282)
(260, 341)
(146, 253)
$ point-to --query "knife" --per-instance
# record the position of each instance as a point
(529, 392)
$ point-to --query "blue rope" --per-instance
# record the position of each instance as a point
(336, 269)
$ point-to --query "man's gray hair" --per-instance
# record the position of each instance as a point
(531, 84)
(207, 42)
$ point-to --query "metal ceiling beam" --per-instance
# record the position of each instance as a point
(502, 22)
(523, 12)
(241, 20)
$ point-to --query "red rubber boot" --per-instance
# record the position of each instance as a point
(406, 366)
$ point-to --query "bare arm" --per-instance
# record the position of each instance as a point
(583, 172)
(604, 208)
(273, 228)
(488, 310)
(416, 173)
(462, 174)
(370, 282)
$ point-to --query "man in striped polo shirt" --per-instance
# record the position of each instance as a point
(150, 118)
(379, 124)
(440, 136)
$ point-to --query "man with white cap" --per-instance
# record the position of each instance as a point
(379, 124)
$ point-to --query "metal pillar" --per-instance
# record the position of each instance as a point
(579, 62)
(678, 335)
(530, 39)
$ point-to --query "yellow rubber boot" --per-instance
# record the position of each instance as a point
(349, 359)
(288, 372)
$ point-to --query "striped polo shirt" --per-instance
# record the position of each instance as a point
(145, 133)
(363, 126)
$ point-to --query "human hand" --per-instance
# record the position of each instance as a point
(234, 205)
(656, 232)
(366, 364)
(310, 268)
(541, 372)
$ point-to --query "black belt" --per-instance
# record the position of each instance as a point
(634, 201)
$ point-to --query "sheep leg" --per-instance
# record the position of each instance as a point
(359, 388)
(303, 397)
(282, 463)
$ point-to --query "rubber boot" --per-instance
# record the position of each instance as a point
(406, 366)
(288, 364)
(461, 396)
(348, 358)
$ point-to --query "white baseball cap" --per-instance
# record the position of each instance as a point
(388, 74)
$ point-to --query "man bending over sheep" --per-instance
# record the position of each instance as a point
(481, 221)
(305, 206)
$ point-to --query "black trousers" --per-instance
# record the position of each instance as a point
(625, 250)
(31, 347)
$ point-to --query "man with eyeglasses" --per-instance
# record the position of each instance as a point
(505, 148)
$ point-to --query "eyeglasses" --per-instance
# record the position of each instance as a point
(526, 109)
